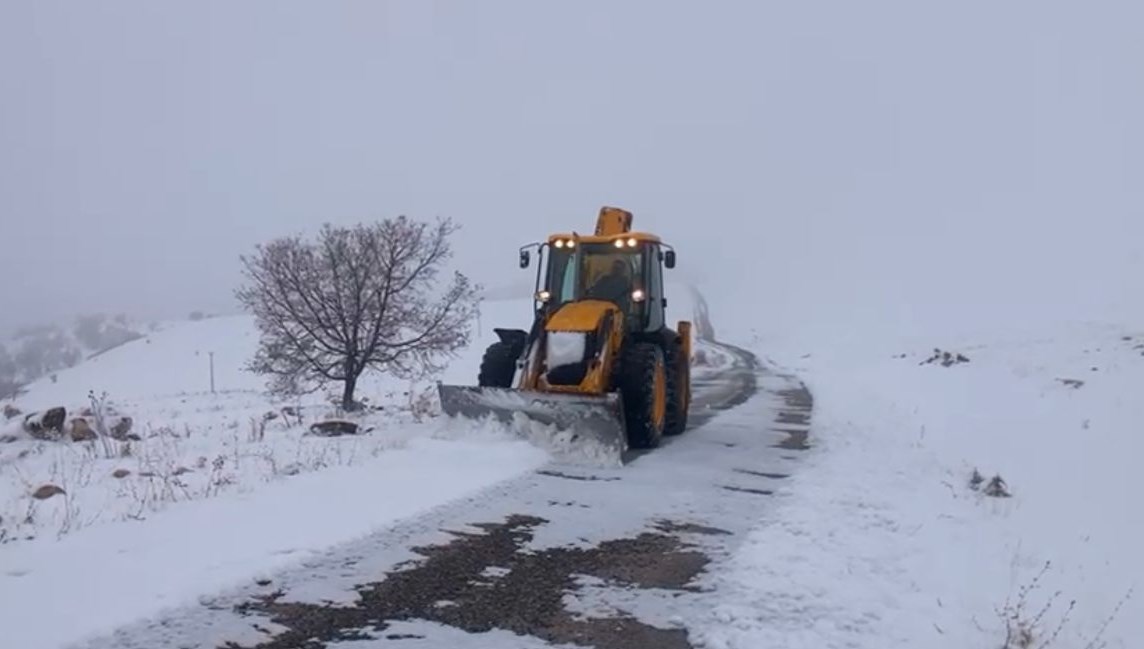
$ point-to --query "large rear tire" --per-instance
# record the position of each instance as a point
(644, 385)
(678, 389)
(498, 366)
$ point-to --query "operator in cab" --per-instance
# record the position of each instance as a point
(615, 287)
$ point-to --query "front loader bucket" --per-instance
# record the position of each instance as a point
(585, 425)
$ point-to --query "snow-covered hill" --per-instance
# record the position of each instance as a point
(32, 352)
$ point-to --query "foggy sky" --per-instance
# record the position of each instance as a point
(827, 160)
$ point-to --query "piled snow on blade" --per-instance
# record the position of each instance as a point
(568, 445)
(575, 445)
(566, 347)
(580, 427)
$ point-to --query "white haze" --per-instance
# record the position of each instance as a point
(894, 163)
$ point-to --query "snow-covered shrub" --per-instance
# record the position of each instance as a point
(945, 358)
(1025, 628)
(995, 487)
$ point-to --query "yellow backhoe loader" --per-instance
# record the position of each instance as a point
(600, 361)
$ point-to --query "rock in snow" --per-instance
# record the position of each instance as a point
(46, 425)
(334, 428)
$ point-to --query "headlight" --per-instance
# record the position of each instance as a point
(619, 243)
(559, 243)
(638, 295)
(543, 296)
(632, 243)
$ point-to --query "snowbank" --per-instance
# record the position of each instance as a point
(884, 539)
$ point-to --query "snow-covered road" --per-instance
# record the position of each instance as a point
(621, 558)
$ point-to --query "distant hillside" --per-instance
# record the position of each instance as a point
(40, 351)
(176, 357)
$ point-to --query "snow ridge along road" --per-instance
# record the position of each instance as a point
(564, 556)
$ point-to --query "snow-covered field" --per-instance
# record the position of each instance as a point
(213, 491)
(193, 443)
(885, 539)
(215, 487)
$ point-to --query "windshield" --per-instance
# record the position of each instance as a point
(603, 272)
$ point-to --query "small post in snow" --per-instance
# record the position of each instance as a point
(211, 354)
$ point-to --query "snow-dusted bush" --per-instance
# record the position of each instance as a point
(1040, 626)
(995, 487)
(945, 358)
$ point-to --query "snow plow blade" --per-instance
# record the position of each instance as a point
(586, 426)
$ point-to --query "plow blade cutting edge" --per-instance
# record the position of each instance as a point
(585, 425)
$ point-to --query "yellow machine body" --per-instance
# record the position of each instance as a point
(626, 382)
(583, 317)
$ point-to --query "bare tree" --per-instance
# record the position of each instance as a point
(356, 298)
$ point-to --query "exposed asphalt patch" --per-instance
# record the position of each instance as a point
(743, 381)
(747, 490)
(795, 441)
(793, 418)
(582, 478)
(741, 396)
(764, 474)
(797, 397)
(793, 431)
(673, 527)
(790, 431)
(451, 586)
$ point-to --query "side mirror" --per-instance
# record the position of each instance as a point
(669, 259)
(525, 258)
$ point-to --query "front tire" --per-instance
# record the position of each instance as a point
(498, 366)
(644, 386)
